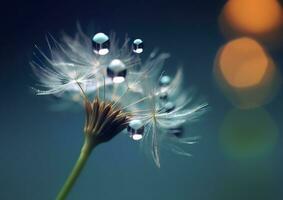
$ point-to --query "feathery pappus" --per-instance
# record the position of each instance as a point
(120, 92)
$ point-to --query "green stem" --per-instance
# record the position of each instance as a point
(85, 152)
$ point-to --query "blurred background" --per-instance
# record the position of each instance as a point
(232, 51)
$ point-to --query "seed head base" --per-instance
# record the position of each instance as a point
(104, 120)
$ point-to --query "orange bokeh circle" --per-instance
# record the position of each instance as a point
(243, 62)
(253, 16)
(246, 73)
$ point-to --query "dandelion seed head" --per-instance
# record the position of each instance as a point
(119, 91)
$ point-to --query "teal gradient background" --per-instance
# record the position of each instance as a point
(38, 147)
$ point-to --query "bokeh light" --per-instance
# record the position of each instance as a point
(248, 133)
(246, 73)
(258, 18)
(253, 16)
(243, 62)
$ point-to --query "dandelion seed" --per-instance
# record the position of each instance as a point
(119, 92)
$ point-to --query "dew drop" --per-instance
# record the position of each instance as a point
(138, 46)
(163, 96)
(169, 106)
(164, 81)
(100, 44)
(117, 71)
(136, 129)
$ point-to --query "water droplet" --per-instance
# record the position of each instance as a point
(138, 46)
(163, 95)
(136, 129)
(117, 71)
(100, 44)
(169, 106)
(164, 81)
(176, 131)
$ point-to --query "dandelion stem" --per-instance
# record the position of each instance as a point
(83, 157)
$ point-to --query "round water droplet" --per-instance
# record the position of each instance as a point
(163, 95)
(136, 129)
(138, 46)
(100, 44)
(117, 71)
(164, 81)
(169, 106)
(176, 131)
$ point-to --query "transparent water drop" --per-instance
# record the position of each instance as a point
(163, 96)
(138, 46)
(136, 129)
(165, 81)
(176, 131)
(100, 44)
(117, 71)
(169, 106)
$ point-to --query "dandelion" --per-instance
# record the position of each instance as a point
(120, 93)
